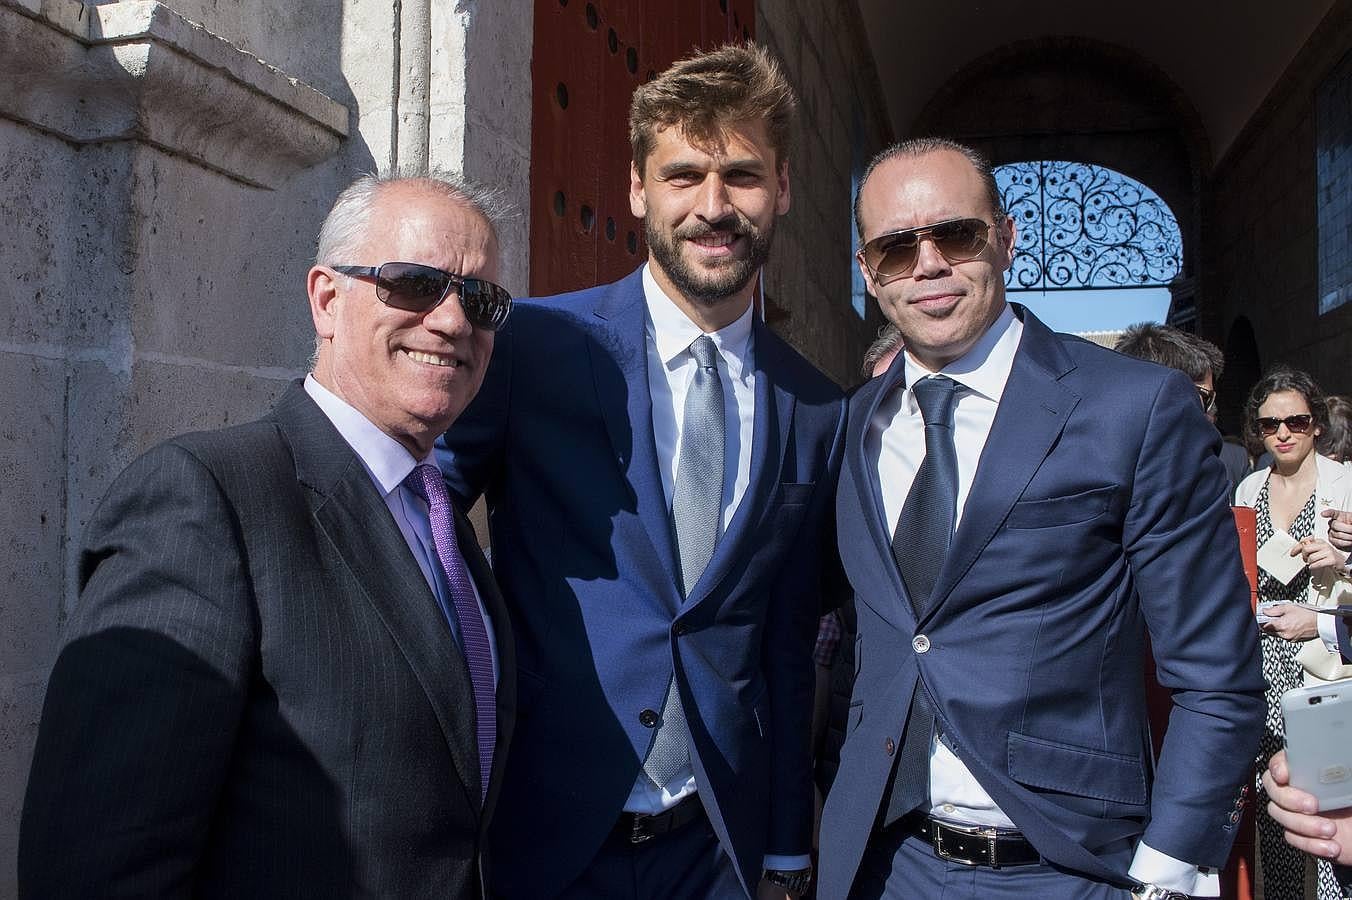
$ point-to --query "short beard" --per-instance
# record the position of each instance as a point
(710, 286)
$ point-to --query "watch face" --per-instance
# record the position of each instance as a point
(795, 882)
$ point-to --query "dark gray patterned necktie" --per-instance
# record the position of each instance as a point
(696, 512)
(919, 547)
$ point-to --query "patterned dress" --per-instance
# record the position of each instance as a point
(1282, 866)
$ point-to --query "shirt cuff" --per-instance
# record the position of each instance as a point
(1150, 866)
(787, 863)
(1328, 631)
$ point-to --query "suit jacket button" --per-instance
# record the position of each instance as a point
(889, 746)
(921, 644)
(648, 718)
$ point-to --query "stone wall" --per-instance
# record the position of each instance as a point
(1261, 256)
(163, 171)
(809, 279)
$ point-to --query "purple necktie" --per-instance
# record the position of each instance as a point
(427, 482)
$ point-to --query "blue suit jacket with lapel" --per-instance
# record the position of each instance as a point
(258, 695)
(560, 439)
(1098, 513)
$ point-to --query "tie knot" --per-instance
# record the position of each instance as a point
(935, 395)
(427, 482)
(704, 351)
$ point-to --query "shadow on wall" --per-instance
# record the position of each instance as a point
(143, 294)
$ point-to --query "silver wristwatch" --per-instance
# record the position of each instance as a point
(794, 881)
(1155, 892)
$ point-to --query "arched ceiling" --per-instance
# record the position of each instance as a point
(1225, 57)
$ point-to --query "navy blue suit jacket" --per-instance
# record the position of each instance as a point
(1098, 513)
(560, 440)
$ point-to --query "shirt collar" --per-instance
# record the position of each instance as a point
(673, 331)
(387, 461)
(985, 368)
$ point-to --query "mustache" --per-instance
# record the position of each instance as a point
(735, 223)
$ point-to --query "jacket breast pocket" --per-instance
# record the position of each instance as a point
(1051, 512)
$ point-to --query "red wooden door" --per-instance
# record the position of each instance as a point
(588, 58)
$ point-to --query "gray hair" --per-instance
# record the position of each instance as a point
(926, 145)
(888, 341)
(344, 229)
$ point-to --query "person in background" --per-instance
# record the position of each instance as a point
(1199, 359)
(1286, 410)
(1336, 441)
(1324, 834)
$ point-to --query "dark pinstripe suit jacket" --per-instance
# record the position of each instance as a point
(258, 695)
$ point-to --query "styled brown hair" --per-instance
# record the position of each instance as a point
(706, 92)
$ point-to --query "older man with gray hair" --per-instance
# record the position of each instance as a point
(290, 672)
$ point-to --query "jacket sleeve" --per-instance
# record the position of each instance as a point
(796, 604)
(147, 693)
(1183, 550)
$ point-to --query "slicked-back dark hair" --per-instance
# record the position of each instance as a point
(925, 145)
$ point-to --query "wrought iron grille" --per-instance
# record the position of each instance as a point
(1084, 226)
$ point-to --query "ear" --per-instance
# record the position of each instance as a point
(638, 201)
(782, 176)
(321, 283)
(1005, 233)
(868, 276)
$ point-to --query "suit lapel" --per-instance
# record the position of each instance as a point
(1032, 413)
(895, 609)
(619, 361)
(769, 438)
(351, 514)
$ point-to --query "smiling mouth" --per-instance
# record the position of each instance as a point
(433, 359)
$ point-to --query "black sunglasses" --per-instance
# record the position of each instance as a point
(894, 255)
(418, 288)
(1268, 425)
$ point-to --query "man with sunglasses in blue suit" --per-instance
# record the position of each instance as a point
(1017, 511)
(658, 468)
(290, 673)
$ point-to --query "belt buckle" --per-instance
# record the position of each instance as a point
(638, 829)
(973, 830)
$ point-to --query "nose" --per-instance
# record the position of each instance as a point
(713, 203)
(448, 318)
(929, 262)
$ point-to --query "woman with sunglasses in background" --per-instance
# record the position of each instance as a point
(1287, 412)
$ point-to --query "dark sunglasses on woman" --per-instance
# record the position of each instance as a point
(1268, 425)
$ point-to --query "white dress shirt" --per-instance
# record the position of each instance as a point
(896, 439)
(388, 463)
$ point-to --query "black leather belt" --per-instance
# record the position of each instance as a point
(974, 845)
(635, 828)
